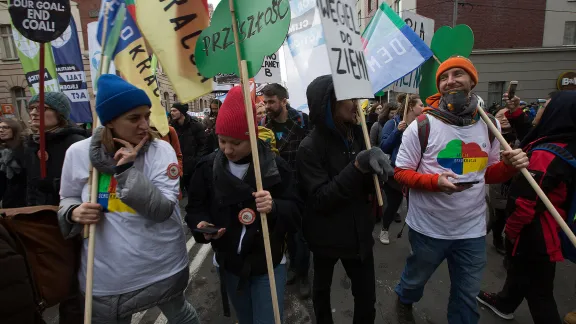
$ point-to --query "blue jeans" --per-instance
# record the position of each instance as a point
(253, 305)
(466, 260)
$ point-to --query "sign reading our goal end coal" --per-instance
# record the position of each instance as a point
(41, 21)
(345, 52)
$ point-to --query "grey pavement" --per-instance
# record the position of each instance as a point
(203, 291)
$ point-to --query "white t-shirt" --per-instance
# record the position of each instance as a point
(131, 251)
(467, 152)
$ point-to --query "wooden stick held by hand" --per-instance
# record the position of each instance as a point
(243, 70)
(531, 180)
(369, 146)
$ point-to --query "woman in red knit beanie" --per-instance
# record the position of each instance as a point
(223, 198)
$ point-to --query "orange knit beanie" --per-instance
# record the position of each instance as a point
(457, 62)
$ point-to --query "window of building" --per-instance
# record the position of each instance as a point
(19, 100)
(369, 6)
(397, 6)
(359, 18)
(495, 93)
(167, 100)
(175, 98)
(7, 47)
(570, 33)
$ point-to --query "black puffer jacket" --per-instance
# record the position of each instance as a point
(217, 197)
(17, 304)
(47, 191)
(13, 190)
(192, 139)
(337, 220)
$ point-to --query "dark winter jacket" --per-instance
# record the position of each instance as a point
(290, 134)
(529, 223)
(337, 220)
(192, 139)
(13, 189)
(391, 138)
(217, 197)
(47, 191)
(520, 122)
(17, 304)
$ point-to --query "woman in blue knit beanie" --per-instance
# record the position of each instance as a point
(141, 259)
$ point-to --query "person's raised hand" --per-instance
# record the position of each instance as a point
(128, 153)
(402, 126)
(209, 237)
(516, 158)
(264, 201)
(511, 103)
(448, 186)
(87, 213)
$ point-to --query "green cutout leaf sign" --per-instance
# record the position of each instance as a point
(447, 42)
(262, 28)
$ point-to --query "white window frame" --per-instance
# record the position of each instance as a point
(9, 51)
(569, 39)
(495, 92)
(19, 100)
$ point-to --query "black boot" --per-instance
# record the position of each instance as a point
(404, 313)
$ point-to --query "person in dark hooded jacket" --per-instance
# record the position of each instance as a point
(334, 172)
(60, 134)
(532, 233)
(223, 194)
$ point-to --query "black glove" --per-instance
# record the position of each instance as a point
(375, 161)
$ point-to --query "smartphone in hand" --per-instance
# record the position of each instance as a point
(212, 230)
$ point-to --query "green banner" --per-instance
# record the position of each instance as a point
(29, 54)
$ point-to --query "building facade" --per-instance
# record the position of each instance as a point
(529, 41)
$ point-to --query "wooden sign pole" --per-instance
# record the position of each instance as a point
(243, 70)
(369, 146)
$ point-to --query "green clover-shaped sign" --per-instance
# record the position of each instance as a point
(262, 28)
(446, 42)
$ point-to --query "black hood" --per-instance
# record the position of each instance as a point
(558, 120)
(320, 94)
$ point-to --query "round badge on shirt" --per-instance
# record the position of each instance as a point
(247, 216)
(40, 156)
(173, 171)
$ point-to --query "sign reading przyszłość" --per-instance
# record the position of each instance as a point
(41, 21)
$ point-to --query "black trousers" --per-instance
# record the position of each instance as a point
(361, 274)
(498, 225)
(394, 199)
(533, 280)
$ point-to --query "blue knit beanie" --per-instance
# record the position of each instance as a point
(116, 97)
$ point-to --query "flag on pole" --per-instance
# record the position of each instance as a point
(172, 34)
(392, 48)
(71, 75)
(132, 59)
(28, 53)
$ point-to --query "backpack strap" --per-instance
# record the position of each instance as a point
(423, 132)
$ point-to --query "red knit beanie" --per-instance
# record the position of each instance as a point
(231, 120)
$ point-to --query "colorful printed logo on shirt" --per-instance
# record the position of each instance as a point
(107, 196)
(463, 158)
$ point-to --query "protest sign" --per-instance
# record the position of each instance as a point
(342, 36)
(172, 35)
(305, 49)
(392, 48)
(40, 20)
(71, 75)
(262, 26)
(424, 28)
(270, 71)
(294, 83)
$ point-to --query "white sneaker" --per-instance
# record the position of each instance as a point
(384, 237)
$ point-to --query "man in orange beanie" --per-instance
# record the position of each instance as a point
(445, 158)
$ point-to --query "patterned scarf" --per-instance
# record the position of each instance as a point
(464, 116)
